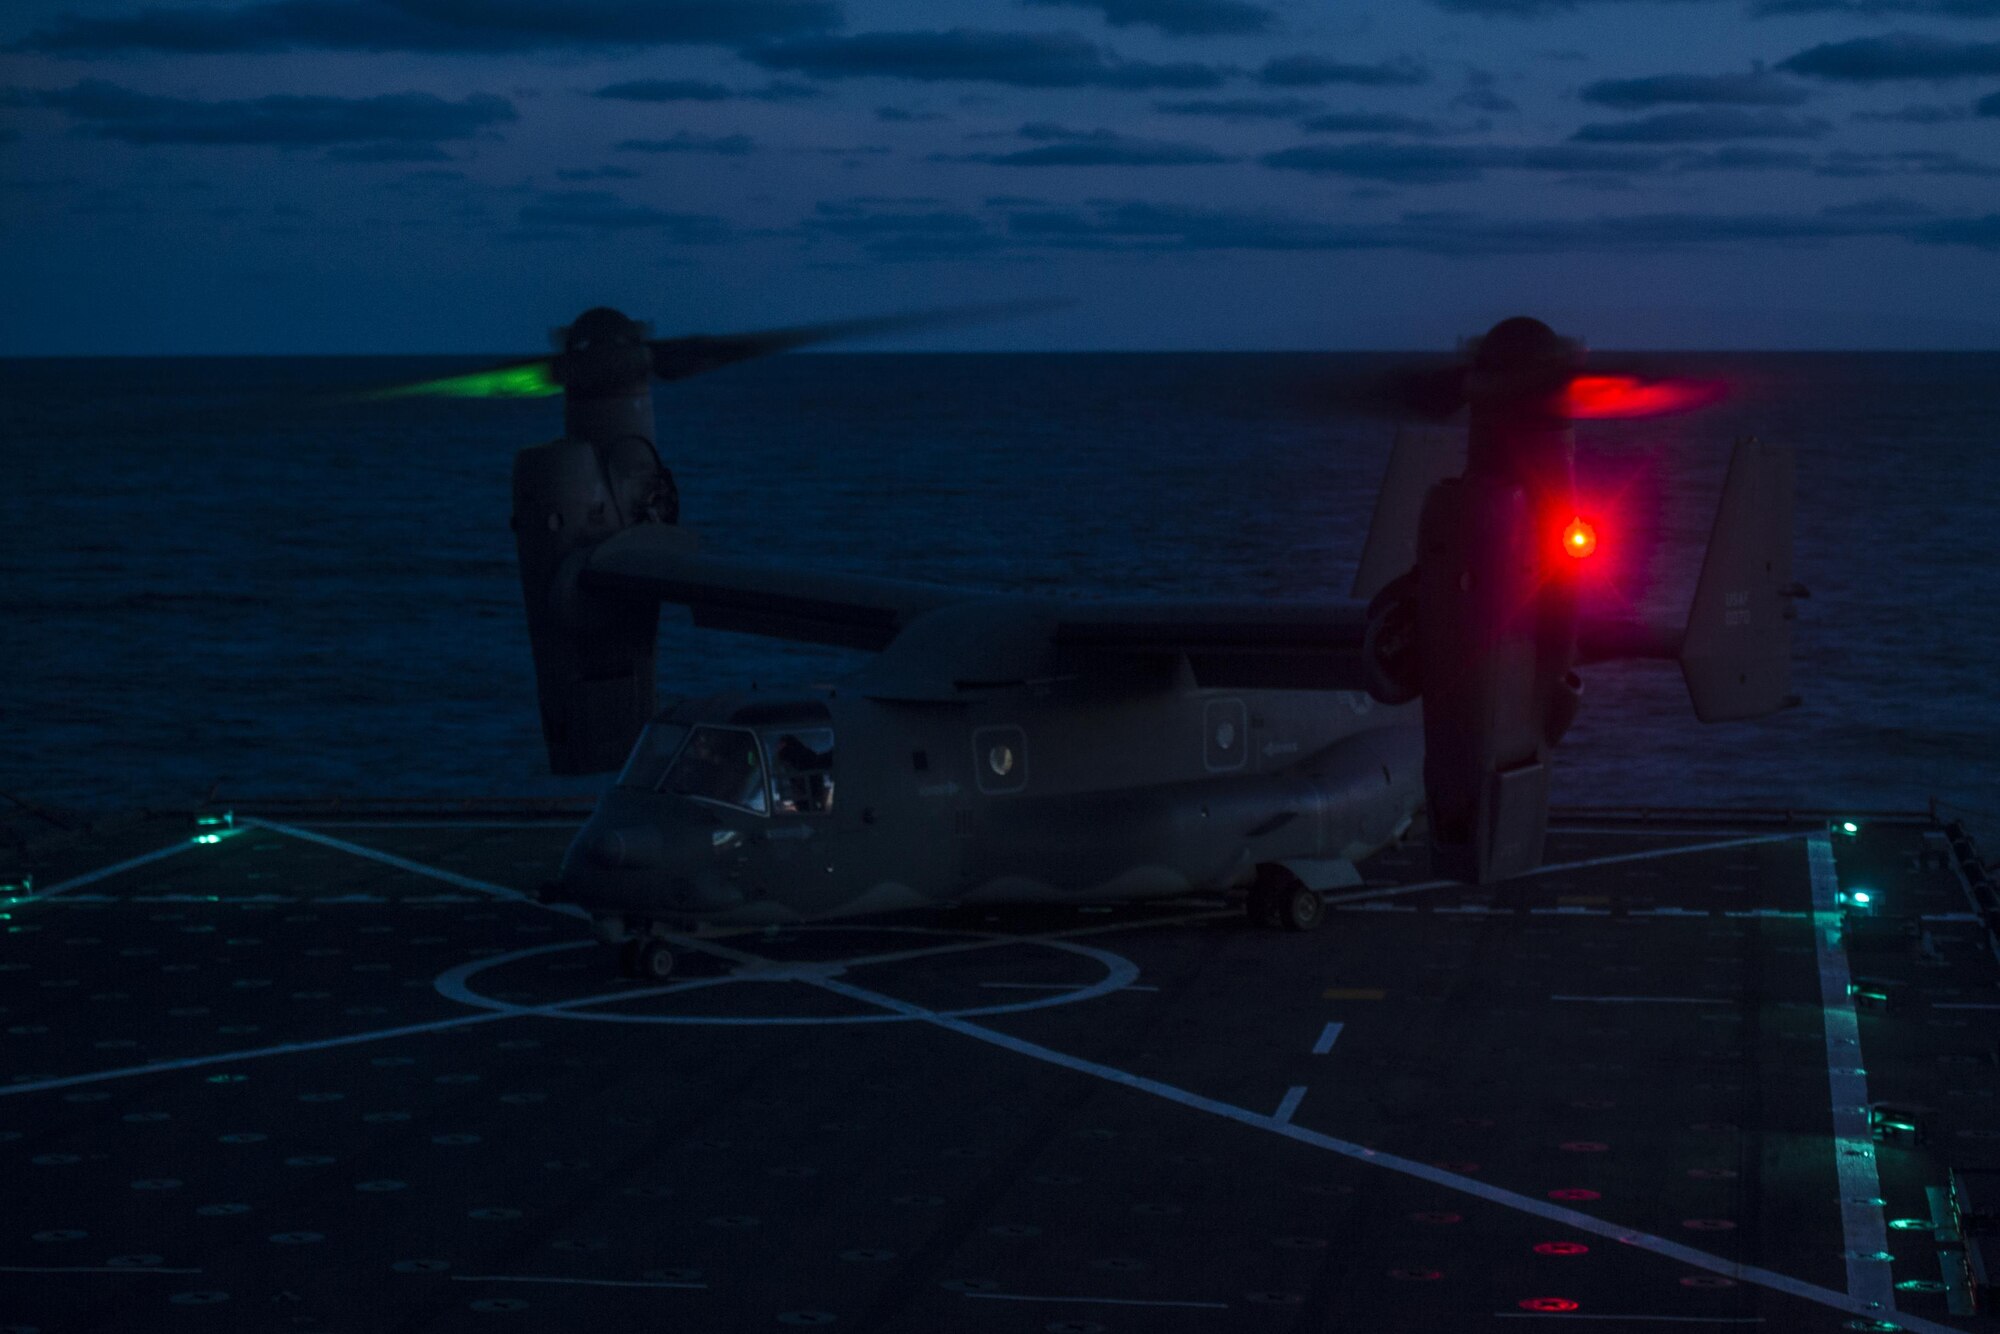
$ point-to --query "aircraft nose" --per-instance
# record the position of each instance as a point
(631, 847)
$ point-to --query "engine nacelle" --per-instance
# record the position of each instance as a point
(594, 653)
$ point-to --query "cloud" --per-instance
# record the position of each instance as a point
(1514, 9)
(1134, 225)
(905, 116)
(458, 26)
(1062, 147)
(1703, 126)
(723, 145)
(1925, 162)
(1950, 9)
(1368, 122)
(598, 174)
(1916, 114)
(903, 234)
(1435, 164)
(1022, 59)
(1757, 89)
(1744, 159)
(1317, 72)
(388, 153)
(666, 90)
(600, 210)
(110, 111)
(1988, 105)
(1481, 95)
(701, 90)
(1239, 108)
(1180, 18)
(1898, 55)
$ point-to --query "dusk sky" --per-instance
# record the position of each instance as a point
(292, 176)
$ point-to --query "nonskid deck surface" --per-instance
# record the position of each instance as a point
(332, 1077)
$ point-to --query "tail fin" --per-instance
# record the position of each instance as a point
(1419, 460)
(1736, 655)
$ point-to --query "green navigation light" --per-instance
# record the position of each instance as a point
(1911, 1224)
(534, 380)
(1849, 828)
(1862, 897)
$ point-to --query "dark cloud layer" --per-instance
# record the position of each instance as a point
(1022, 59)
(1317, 72)
(1896, 55)
(701, 90)
(1436, 164)
(724, 145)
(1759, 89)
(1950, 9)
(1181, 18)
(1514, 9)
(110, 111)
(1988, 105)
(1239, 108)
(1701, 126)
(1062, 147)
(467, 26)
(1138, 225)
(600, 210)
(1368, 122)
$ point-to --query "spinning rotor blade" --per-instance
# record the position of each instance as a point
(1438, 392)
(514, 379)
(695, 354)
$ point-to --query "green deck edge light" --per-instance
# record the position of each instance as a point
(534, 380)
(1849, 828)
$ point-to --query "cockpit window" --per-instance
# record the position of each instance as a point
(721, 764)
(650, 758)
(801, 770)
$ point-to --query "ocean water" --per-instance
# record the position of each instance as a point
(218, 573)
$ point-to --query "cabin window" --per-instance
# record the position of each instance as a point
(801, 770)
(721, 764)
(655, 750)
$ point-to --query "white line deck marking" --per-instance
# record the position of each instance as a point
(414, 868)
(1647, 1000)
(564, 823)
(1327, 1037)
(92, 877)
(1092, 1301)
(94, 1269)
(1506, 1199)
(1869, 1280)
(576, 1282)
(1287, 1106)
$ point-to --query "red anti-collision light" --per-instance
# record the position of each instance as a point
(1596, 397)
(1579, 539)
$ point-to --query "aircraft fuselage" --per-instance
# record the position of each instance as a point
(769, 808)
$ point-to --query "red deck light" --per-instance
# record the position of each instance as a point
(1548, 1304)
(1580, 538)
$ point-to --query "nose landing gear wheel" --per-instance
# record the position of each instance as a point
(654, 962)
(1280, 899)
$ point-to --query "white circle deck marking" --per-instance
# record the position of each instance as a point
(1119, 972)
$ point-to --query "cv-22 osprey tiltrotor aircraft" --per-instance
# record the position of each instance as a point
(1007, 749)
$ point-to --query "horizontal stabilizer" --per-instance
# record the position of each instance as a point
(1736, 654)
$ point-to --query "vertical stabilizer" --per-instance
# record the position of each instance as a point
(1737, 653)
(1419, 460)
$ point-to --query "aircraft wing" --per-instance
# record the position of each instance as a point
(1281, 646)
(662, 562)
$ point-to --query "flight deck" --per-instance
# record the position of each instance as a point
(331, 1067)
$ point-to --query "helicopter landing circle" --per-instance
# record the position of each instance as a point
(1119, 972)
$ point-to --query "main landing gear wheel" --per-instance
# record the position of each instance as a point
(646, 960)
(1279, 898)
